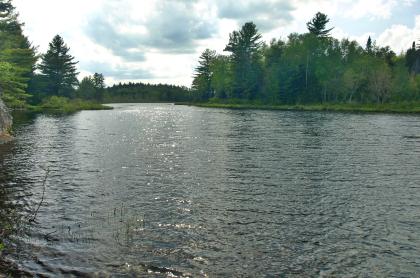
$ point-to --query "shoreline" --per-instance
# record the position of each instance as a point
(62, 110)
(399, 108)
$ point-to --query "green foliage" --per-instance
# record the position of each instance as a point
(17, 58)
(99, 81)
(59, 69)
(403, 107)
(66, 105)
(140, 92)
(86, 88)
(413, 59)
(308, 68)
(203, 78)
(274, 55)
(245, 47)
(369, 45)
(221, 76)
(318, 25)
(92, 87)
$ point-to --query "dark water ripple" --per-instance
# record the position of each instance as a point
(163, 190)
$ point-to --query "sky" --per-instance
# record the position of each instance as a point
(160, 41)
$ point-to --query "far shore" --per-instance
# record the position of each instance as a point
(402, 108)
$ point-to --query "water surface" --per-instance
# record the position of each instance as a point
(161, 190)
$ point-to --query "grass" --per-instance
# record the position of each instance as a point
(404, 107)
(65, 105)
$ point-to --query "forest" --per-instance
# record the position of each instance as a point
(30, 80)
(308, 68)
(141, 92)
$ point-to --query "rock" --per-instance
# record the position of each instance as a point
(5, 123)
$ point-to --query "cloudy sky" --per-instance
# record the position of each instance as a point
(160, 40)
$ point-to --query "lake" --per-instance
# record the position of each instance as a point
(160, 190)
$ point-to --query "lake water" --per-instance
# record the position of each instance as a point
(162, 190)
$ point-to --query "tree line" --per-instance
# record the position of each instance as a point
(306, 68)
(141, 92)
(27, 77)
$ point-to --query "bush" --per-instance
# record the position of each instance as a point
(63, 104)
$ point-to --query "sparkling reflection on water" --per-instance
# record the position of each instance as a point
(163, 190)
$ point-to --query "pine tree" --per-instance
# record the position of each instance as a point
(99, 81)
(59, 68)
(203, 76)
(6, 11)
(412, 59)
(417, 58)
(318, 25)
(369, 45)
(17, 57)
(86, 88)
(245, 46)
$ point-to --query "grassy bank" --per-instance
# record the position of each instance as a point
(65, 105)
(413, 108)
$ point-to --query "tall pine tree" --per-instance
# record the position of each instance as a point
(59, 69)
(245, 46)
(203, 76)
(413, 59)
(17, 57)
(369, 46)
(318, 25)
(99, 82)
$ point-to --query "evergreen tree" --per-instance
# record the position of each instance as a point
(318, 25)
(5, 7)
(17, 57)
(245, 46)
(202, 79)
(7, 13)
(369, 45)
(417, 62)
(140, 92)
(99, 81)
(87, 89)
(273, 68)
(59, 68)
(92, 87)
(412, 59)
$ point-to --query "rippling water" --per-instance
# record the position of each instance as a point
(164, 190)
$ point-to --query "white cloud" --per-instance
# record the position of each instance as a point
(400, 37)
(161, 40)
(372, 8)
